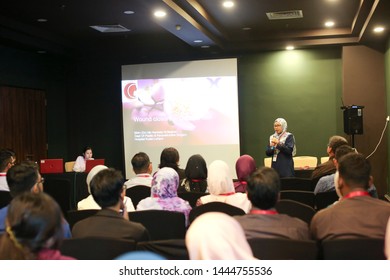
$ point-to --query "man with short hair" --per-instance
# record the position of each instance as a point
(357, 214)
(112, 220)
(142, 168)
(328, 167)
(7, 160)
(263, 221)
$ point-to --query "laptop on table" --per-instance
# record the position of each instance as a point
(52, 165)
(91, 163)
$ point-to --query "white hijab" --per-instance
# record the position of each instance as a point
(284, 134)
(217, 236)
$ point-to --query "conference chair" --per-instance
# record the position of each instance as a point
(306, 197)
(191, 197)
(73, 216)
(171, 249)
(296, 183)
(69, 166)
(353, 249)
(5, 198)
(161, 224)
(96, 248)
(215, 206)
(283, 249)
(61, 191)
(324, 199)
(137, 193)
(295, 209)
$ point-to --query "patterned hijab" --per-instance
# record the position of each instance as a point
(219, 180)
(284, 134)
(217, 236)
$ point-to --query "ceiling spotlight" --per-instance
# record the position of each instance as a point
(178, 27)
(228, 4)
(205, 47)
(198, 41)
(246, 28)
(160, 14)
(329, 23)
(379, 29)
(289, 48)
(42, 20)
(128, 12)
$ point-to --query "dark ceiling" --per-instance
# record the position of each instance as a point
(241, 29)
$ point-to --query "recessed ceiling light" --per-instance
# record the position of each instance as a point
(160, 14)
(379, 29)
(246, 28)
(289, 48)
(205, 47)
(42, 20)
(128, 12)
(198, 41)
(228, 4)
(329, 23)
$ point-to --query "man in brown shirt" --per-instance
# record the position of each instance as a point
(358, 214)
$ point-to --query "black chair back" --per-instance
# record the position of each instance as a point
(324, 199)
(5, 198)
(61, 191)
(161, 224)
(283, 249)
(353, 249)
(137, 193)
(296, 183)
(215, 206)
(73, 216)
(306, 197)
(171, 249)
(96, 248)
(191, 197)
(295, 209)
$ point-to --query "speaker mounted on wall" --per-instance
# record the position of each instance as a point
(353, 119)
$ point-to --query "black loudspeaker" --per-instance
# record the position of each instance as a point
(353, 120)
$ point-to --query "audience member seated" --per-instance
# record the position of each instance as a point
(263, 221)
(357, 214)
(33, 229)
(21, 178)
(7, 160)
(79, 165)
(107, 188)
(196, 175)
(328, 167)
(89, 202)
(217, 236)
(164, 194)
(170, 158)
(245, 166)
(143, 169)
(221, 188)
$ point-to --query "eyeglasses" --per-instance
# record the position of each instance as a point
(42, 181)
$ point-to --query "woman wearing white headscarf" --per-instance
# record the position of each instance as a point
(89, 202)
(221, 188)
(217, 236)
(282, 148)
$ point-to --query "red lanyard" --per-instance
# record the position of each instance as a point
(263, 212)
(356, 193)
(226, 194)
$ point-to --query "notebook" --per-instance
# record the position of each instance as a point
(89, 164)
(52, 165)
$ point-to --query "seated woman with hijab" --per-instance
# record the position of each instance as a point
(164, 194)
(282, 148)
(196, 175)
(221, 188)
(217, 236)
(245, 166)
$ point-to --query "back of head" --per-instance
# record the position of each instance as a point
(245, 166)
(263, 188)
(343, 150)
(196, 167)
(140, 163)
(6, 156)
(165, 183)
(355, 170)
(169, 158)
(217, 236)
(336, 141)
(95, 170)
(106, 187)
(219, 180)
(22, 178)
(34, 222)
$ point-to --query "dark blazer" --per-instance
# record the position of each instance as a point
(109, 223)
